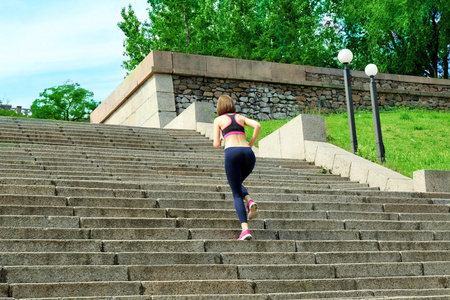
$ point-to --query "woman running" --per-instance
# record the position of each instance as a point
(239, 157)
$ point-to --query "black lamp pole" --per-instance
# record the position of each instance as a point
(376, 119)
(351, 117)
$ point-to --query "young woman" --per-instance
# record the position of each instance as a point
(239, 157)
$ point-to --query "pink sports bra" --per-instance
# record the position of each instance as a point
(233, 128)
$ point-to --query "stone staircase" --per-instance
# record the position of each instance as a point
(111, 212)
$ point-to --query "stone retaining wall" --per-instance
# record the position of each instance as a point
(262, 90)
(264, 101)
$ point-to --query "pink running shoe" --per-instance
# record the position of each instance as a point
(252, 209)
(245, 235)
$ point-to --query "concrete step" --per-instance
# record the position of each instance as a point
(217, 290)
(57, 258)
(75, 289)
(45, 245)
(136, 213)
(40, 221)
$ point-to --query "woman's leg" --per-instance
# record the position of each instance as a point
(233, 160)
(249, 164)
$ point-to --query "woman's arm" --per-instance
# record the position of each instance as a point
(256, 130)
(217, 139)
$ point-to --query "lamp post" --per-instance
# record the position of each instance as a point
(372, 70)
(345, 56)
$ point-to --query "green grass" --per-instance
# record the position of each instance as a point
(414, 139)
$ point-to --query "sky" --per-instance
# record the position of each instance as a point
(44, 43)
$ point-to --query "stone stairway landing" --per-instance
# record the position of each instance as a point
(91, 211)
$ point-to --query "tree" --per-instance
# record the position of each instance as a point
(137, 42)
(288, 31)
(401, 36)
(67, 102)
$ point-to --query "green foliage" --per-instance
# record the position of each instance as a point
(10, 113)
(409, 37)
(137, 43)
(287, 31)
(67, 102)
(403, 36)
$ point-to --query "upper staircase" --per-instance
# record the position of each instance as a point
(91, 211)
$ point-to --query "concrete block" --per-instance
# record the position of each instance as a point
(325, 157)
(396, 235)
(161, 61)
(196, 112)
(84, 192)
(32, 200)
(112, 202)
(323, 295)
(414, 246)
(401, 282)
(305, 224)
(139, 234)
(127, 223)
(50, 246)
(270, 146)
(43, 274)
(153, 246)
(252, 258)
(416, 208)
(196, 287)
(232, 233)
(165, 101)
(336, 246)
(35, 210)
(432, 181)
(378, 270)
(295, 74)
(281, 272)
(411, 256)
(318, 235)
(182, 272)
(289, 140)
(221, 67)
(159, 83)
(119, 212)
(167, 258)
(4, 288)
(402, 185)
(436, 268)
(341, 165)
(253, 70)
(74, 289)
(252, 246)
(189, 64)
(28, 190)
(39, 221)
(56, 258)
(206, 129)
(43, 233)
(216, 223)
(429, 225)
(381, 225)
(357, 257)
(302, 286)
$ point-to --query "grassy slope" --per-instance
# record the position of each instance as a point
(414, 139)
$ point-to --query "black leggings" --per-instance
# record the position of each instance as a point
(239, 163)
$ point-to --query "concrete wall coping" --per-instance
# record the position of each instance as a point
(165, 62)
